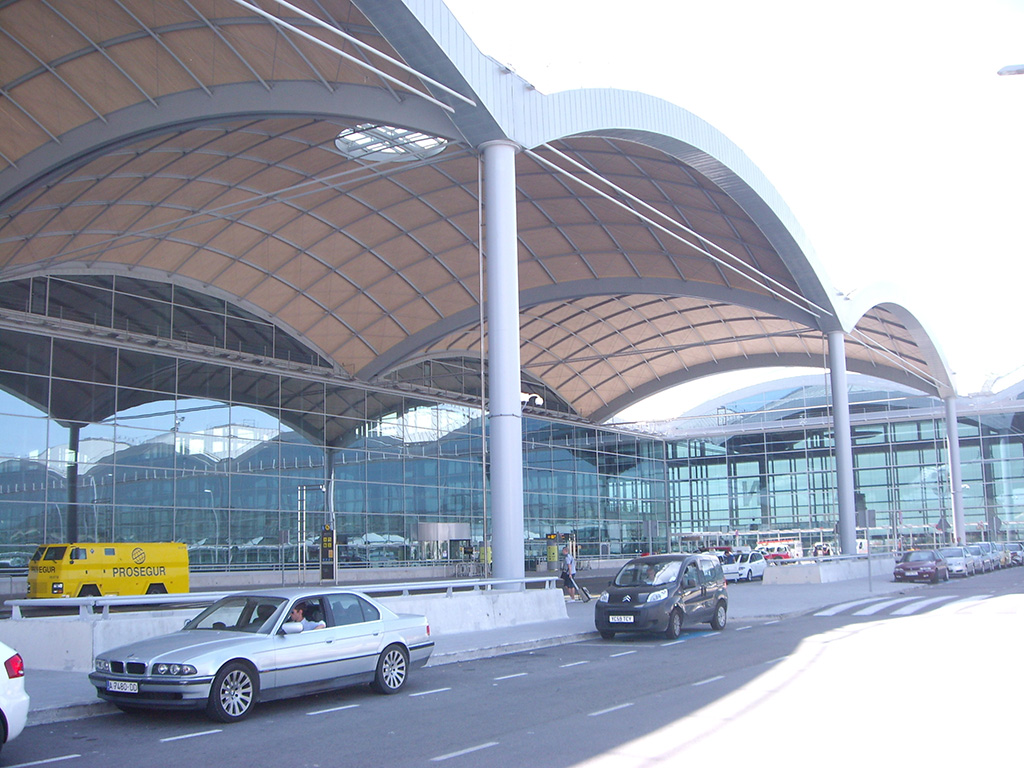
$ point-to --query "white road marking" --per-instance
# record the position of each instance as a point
(740, 629)
(674, 642)
(191, 735)
(843, 606)
(906, 610)
(709, 680)
(509, 677)
(621, 653)
(466, 751)
(332, 709)
(610, 709)
(427, 693)
(871, 610)
(44, 762)
(573, 664)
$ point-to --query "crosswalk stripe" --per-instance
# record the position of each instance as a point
(871, 610)
(844, 606)
(906, 610)
(964, 602)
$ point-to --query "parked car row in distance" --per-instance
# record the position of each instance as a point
(939, 564)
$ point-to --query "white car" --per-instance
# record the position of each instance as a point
(13, 699)
(746, 566)
(959, 561)
(256, 646)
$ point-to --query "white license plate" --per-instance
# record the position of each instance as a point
(620, 619)
(120, 686)
(911, 573)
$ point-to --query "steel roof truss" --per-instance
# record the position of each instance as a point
(781, 291)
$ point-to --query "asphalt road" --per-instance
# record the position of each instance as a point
(930, 676)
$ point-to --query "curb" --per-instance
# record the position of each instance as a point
(504, 649)
(69, 712)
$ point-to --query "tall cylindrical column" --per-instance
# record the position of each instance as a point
(501, 247)
(844, 443)
(955, 476)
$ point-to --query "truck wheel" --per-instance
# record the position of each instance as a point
(89, 590)
(156, 589)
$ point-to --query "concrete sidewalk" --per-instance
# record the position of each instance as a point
(59, 696)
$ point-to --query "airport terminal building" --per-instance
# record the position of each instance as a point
(266, 266)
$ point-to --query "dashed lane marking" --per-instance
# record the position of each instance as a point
(191, 735)
(610, 709)
(44, 762)
(332, 709)
(466, 751)
(709, 680)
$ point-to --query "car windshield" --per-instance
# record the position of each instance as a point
(918, 557)
(639, 573)
(954, 552)
(974, 550)
(239, 614)
(745, 557)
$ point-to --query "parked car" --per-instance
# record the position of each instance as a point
(662, 593)
(745, 566)
(921, 565)
(980, 563)
(13, 699)
(249, 647)
(959, 561)
(989, 553)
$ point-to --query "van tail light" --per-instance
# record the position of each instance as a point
(428, 630)
(15, 666)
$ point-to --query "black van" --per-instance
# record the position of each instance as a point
(661, 593)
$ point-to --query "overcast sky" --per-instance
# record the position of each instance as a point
(882, 124)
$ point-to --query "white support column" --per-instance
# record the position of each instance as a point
(955, 476)
(844, 443)
(501, 247)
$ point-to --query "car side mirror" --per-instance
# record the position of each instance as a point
(690, 583)
(291, 628)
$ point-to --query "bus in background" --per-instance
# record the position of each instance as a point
(94, 569)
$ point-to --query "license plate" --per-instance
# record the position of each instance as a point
(120, 686)
(911, 573)
(620, 619)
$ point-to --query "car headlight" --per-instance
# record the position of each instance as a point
(654, 597)
(603, 598)
(174, 669)
(101, 665)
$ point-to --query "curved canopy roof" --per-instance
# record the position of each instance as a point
(194, 143)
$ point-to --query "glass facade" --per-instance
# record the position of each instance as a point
(121, 421)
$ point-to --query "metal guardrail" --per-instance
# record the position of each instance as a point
(87, 606)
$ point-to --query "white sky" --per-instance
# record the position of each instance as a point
(882, 124)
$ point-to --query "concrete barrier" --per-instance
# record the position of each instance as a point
(827, 571)
(68, 643)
